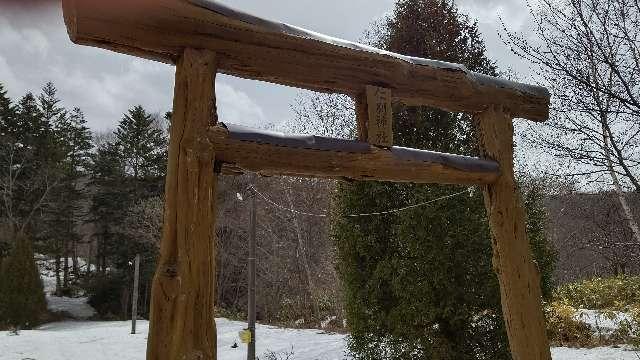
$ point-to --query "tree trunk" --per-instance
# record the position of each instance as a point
(74, 259)
(302, 258)
(58, 280)
(182, 322)
(134, 298)
(518, 274)
(65, 267)
(89, 255)
(125, 297)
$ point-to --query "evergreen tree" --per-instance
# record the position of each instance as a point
(7, 112)
(49, 103)
(22, 301)
(7, 119)
(108, 201)
(125, 172)
(72, 146)
(32, 129)
(419, 284)
(142, 144)
(27, 172)
(25, 181)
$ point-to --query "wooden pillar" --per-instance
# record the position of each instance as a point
(518, 274)
(182, 322)
(134, 297)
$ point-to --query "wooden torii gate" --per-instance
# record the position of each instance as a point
(202, 38)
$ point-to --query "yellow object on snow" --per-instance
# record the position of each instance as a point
(245, 336)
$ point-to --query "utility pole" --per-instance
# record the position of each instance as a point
(134, 300)
(251, 352)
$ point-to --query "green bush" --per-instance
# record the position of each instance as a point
(105, 295)
(609, 296)
(620, 293)
(22, 301)
(629, 329)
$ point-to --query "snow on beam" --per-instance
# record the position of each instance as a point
(271, 153)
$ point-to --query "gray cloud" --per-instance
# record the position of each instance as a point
(36, 49)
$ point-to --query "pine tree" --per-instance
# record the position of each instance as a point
(24, 176)
(72, 143)
(32, 129)
(419, 284)
(48, 103)
(7, 111)
(108, 200)
(7, 119)
(27, 170)
(125, 172)
(22, 303)
(142, 144)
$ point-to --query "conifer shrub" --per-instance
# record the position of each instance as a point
(419, 284)
(22, 300)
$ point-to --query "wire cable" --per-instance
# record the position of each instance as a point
(273, 203)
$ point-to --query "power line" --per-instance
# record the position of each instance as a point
(410, 206)
(273, 203)
(283, 207)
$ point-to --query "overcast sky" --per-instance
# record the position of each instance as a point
(34, 49)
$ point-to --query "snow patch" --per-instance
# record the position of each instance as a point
(77, 308)
(74, 340)
(604, 322)
(71, 340)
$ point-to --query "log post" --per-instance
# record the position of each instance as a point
(182, 324)
(134, 297)
(518, 274)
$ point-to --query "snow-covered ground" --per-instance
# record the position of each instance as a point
(604, 322)
(75, 307)
(602, 353)
(71, 340)
(79, 340)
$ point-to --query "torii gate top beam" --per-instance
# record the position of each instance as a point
(254, 48)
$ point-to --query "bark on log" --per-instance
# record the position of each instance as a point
(518, 274)
(375, 164)
(362, 116)
(182, 322)
(259, 49)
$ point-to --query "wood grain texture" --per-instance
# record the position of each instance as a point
(378, 164)
(380, 114)
(362, 116)
(161, 29)
(182, 324)
(518, 274)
